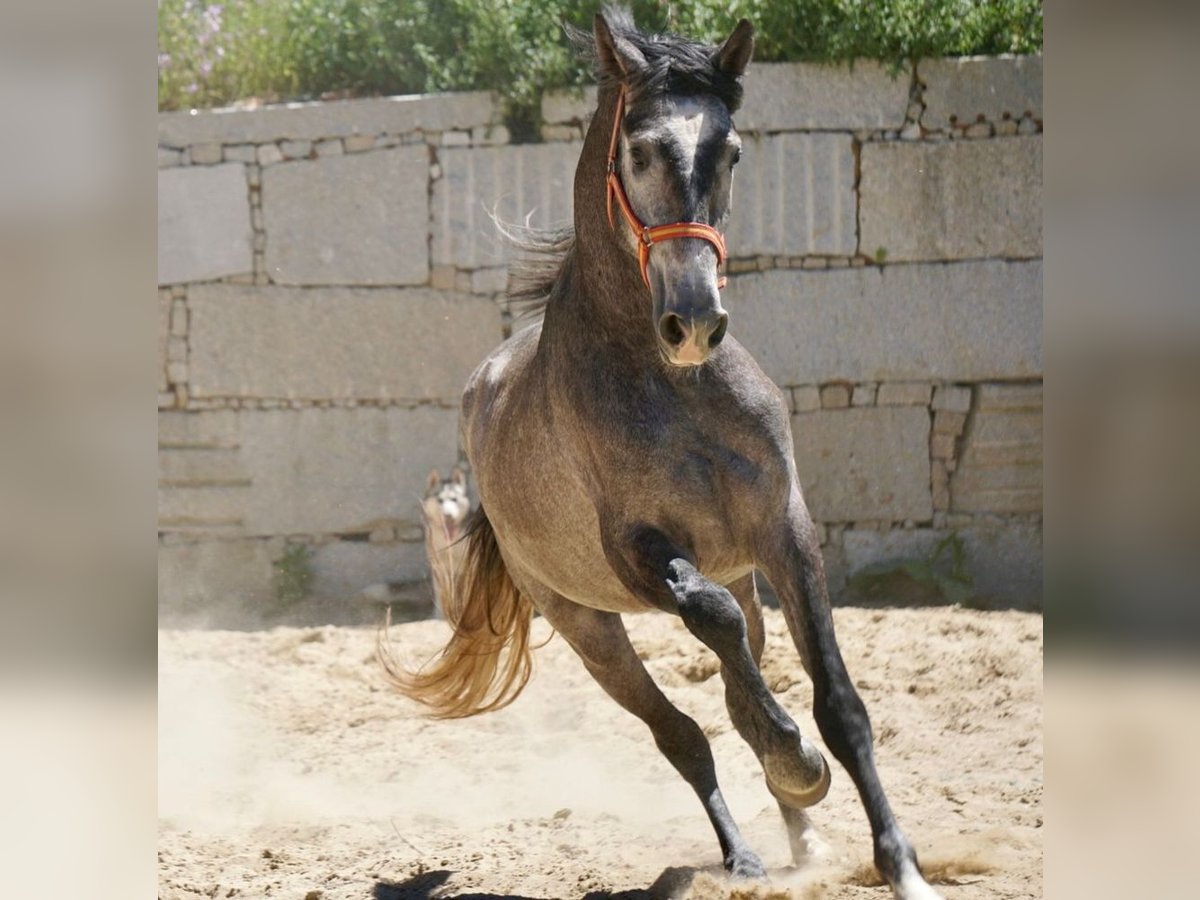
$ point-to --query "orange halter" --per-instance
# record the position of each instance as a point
(649, 236)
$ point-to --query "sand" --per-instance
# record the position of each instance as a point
(288, 769)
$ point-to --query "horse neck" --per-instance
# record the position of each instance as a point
(603, 298)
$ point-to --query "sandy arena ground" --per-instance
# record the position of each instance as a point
(288, 769)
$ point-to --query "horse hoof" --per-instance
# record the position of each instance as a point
(798, 781)
(745, 865)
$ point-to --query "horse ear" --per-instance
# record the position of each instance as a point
(735, 53)
(618, 57)
(434, 479)
(459, 477)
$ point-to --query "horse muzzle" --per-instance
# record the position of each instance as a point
(688, 341)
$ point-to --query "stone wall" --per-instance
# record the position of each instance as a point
(329, 275)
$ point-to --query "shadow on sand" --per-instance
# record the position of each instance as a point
(430, 886)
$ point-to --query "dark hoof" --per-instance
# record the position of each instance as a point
(745, 865)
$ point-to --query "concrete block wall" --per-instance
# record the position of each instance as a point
(330, 273)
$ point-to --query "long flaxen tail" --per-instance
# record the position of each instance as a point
(488, 660)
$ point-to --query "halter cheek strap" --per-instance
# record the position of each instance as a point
(648, 236)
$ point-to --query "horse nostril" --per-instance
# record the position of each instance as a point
(718, 334)
(670, 326)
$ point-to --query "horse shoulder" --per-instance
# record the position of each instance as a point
(760, 405)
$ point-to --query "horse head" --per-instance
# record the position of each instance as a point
(670, 171)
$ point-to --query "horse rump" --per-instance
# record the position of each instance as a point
(487, 661)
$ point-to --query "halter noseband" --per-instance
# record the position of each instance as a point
(648, 236)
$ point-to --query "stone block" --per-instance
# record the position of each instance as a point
(1000, 466)
(511, 182)
(203, 583)
(360, 219)
(164, 335)
(179, 318)
(311, 121)
(952, 398)
(1010, 396)
(168, 157)
(241, 153)
(203, 223)
(949, 422)
(858, 464)
(941, 446)
(1006, 565)
(940, 485)
(200, 467)
(358, 143)
(341, 569)
(1004, 561)
(330, 147)
(952, 199)
(793, 194)
(205, 154)
(806, 398)
(864, 395)
(307, 471)
(336, 471)
(296, 149)
(210, 430)
(961, 90)
(269, 154)
(337, 343)
(961, 322)
(903, 393)
(835, 396)
(490, 135)
(810, 96)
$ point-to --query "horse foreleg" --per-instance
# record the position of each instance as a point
(600, 640)
(792, 562)
(803, 839)
(795, 771)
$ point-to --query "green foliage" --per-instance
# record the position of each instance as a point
(218, 53)
(943, 577)
(293, 574)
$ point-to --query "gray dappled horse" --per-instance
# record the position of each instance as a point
(631, 457)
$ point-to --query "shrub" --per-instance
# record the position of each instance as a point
(214, 54)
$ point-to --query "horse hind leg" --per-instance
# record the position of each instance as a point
(803, 840)
(600, 640)
(795, 770)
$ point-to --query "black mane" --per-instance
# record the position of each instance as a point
(677, 65)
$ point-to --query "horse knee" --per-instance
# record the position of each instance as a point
(708, 610)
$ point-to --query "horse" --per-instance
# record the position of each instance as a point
(631, 456)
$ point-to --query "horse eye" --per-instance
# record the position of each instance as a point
(637, 156)
(737, 157)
